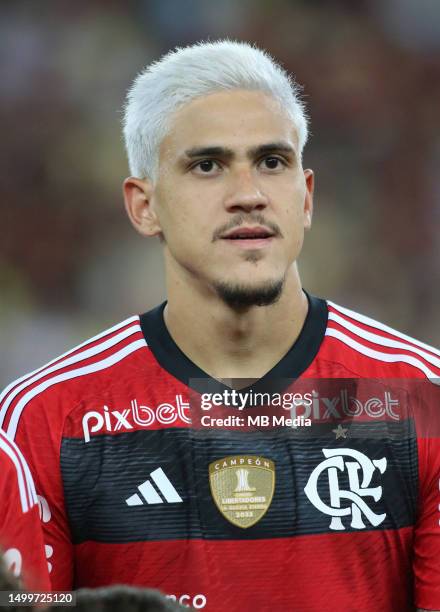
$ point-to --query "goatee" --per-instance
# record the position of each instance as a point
(240, 297)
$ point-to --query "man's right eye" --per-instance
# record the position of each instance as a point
(206, 166)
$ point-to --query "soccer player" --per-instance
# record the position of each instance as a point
(239, 517)
(21, 537)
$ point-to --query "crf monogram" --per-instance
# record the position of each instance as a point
(335, 463)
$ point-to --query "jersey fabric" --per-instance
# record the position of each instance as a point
(21, 537)
(347, 509)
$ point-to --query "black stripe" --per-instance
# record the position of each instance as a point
(100, 475)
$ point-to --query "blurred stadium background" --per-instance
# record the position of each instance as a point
(70, 263)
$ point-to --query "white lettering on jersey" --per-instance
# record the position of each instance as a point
(143, 416)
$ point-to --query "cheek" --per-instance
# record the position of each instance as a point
(185, 231)
(172, 216)
(294, 229)
(294, 219)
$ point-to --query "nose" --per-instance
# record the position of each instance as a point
(245, 193)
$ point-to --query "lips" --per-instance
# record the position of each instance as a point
(248, 233)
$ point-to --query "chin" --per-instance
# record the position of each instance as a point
(240, 295)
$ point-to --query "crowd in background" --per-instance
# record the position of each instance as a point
(70, 264)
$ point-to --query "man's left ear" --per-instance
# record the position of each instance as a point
(308, 199)
(137, 198)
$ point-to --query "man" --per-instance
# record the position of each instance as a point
(21, 538)
(144, 487)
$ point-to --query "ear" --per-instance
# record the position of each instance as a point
(308, 199)
(137, 198)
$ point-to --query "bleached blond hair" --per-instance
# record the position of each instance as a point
(185, 74)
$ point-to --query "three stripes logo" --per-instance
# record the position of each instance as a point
(149, 495)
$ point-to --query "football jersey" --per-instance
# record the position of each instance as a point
(21, 537)
(338, 510)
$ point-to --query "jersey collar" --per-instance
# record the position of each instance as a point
(292, 365)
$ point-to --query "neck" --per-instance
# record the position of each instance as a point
(230, 344)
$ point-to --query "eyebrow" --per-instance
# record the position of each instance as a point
(226, 153)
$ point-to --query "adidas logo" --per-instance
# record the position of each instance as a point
(149, 493)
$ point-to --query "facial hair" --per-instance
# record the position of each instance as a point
(241, 297)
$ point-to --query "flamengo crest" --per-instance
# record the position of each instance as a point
(360, 472)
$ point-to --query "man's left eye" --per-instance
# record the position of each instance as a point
(206, 165)
(272, 163)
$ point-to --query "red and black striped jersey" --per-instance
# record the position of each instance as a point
(146, 487)
(21, 537)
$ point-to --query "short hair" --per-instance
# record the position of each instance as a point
(185, 74)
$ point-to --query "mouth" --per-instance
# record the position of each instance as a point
(249, 237)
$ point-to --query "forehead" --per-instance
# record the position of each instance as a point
(236, 119)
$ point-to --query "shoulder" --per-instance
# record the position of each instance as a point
(367, 347)
(66, 380)
(16, 481)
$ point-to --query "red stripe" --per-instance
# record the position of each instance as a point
(379, 332)
(318, 572)
(381, 348)
(78, 364)
(75, 351)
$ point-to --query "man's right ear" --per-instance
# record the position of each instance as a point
(137, 199)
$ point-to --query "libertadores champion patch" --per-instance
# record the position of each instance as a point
(242, 487)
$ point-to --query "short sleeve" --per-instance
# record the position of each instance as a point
(21, 537)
